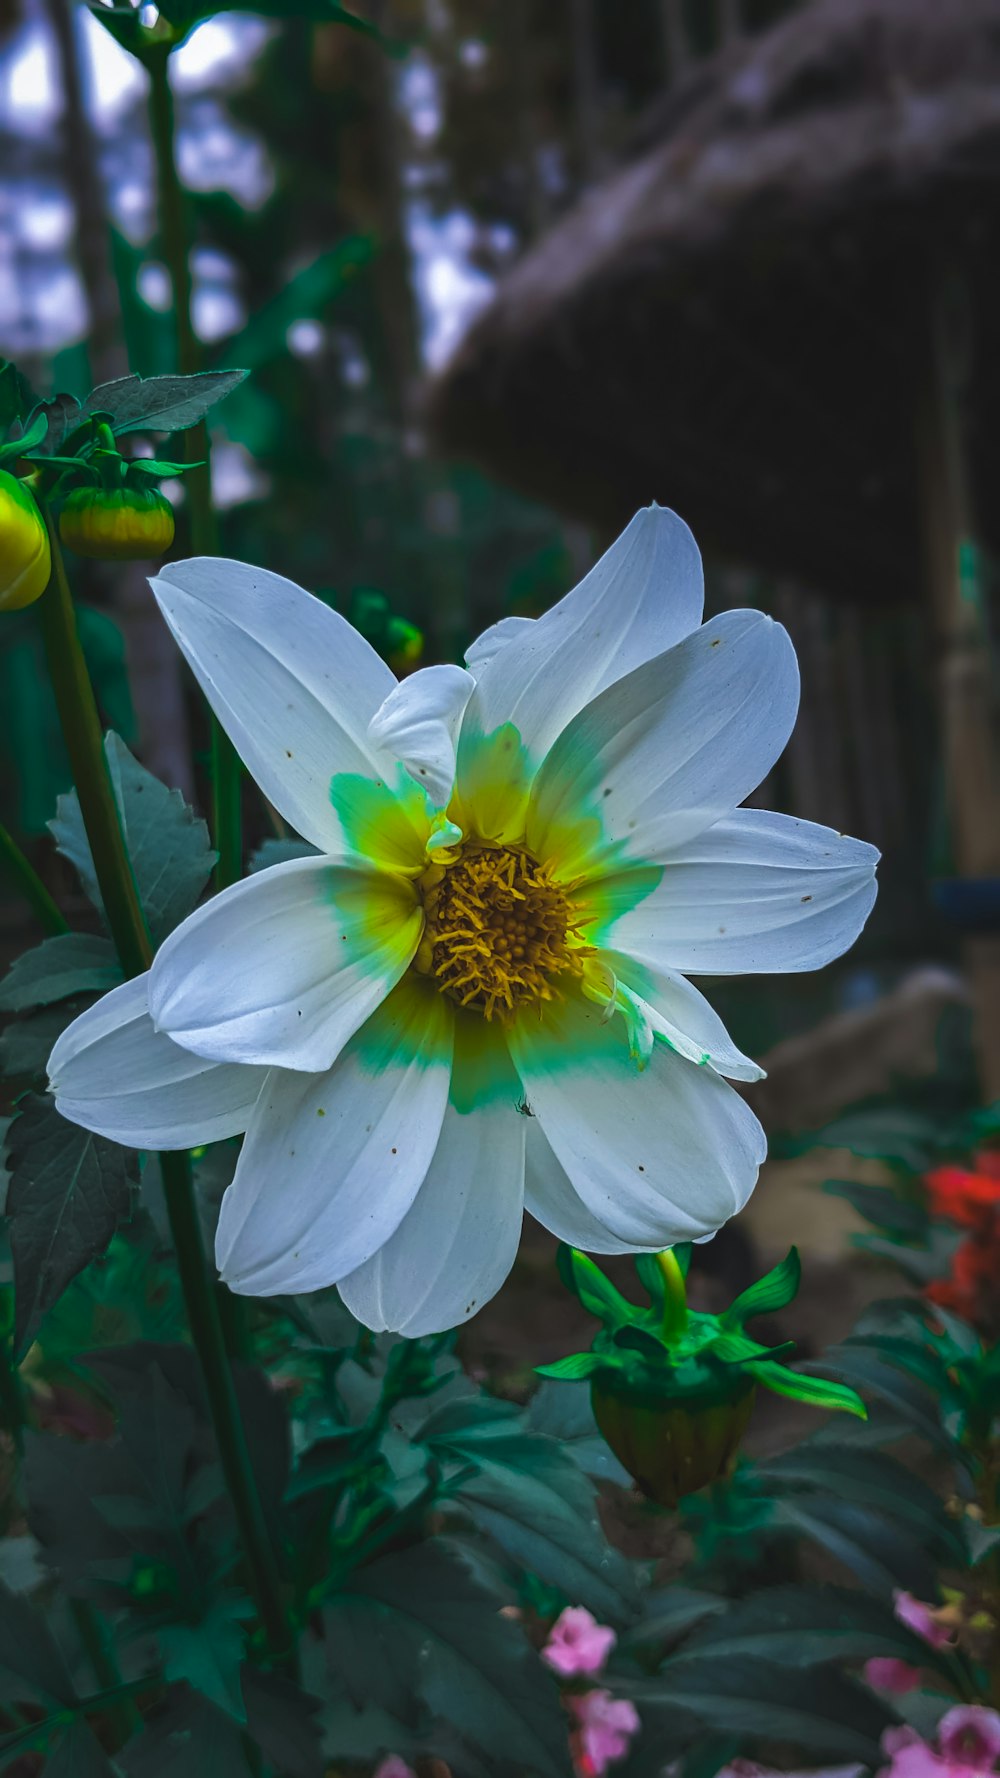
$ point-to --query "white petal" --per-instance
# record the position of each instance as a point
(332, 1162)
(658, 1156)
(418, 725)
(755, 893)
(496, 637)
(644, 594)
(112, 1072)
(680, 1013)
(282, 968)
(458, 1241)
(666, 752)
(550, 1198)
(292, 682)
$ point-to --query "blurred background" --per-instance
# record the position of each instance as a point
(504, 271)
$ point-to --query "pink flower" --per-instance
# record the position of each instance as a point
(968, 1738)
(604, 1728)
(394, 1767)
(888, 1675)
(922, 1620)
(578, 1643)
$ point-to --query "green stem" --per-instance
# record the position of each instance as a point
(81, 727)
(11, 1397)
(124, 1713)
(675, 1309)
(226, 769)
(206, 1330)
(28, 880)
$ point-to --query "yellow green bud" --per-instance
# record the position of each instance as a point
(24, 546)
(671, 1448)
(126, 524)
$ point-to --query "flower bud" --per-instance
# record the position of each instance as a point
(24, 546)
(126, 524)
(671, 1448)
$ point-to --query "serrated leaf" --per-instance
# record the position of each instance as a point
(167, 843)
(69, 1190)
(209, 1653)
(772, 1292)
(161, 404)
(31, 1665)
(879, 1205)
(73, 963)
(418, 1633)
(806, 1627)
(279, 852)
(189, 1737)
(822, 1713)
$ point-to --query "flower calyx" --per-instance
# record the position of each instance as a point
(673, 1388)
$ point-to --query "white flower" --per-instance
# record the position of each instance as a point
(474, 1000)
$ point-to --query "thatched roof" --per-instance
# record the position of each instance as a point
(734, 322)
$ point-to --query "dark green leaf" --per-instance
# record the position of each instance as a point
(562, 1411)
(78, 1754)
(807, 1627)
(209, 1653)
(821, 1713)
(25, 441)
(74, 963)
(31, 1666)
(882, 1555)
(416, 1633)
(282, 1720)
(167, 843)
(26, 1043)
(188, 1738)
(865, 1371)
(69, 1190)
(63, 414)
(872, 1479)
(279, 852)
(880, 1205)
(674, 1611)
(161, 404)
(918, 1359)
(774, 1291)
(17, 397)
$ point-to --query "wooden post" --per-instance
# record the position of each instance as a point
(960, 640)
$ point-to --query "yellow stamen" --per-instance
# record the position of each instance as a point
(499, 932)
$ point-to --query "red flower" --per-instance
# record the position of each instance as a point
(970, 1198)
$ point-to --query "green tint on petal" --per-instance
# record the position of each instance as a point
(601, 902)
(817, 1392)
(413, 1024)
(482, 1073)
(492, 781)
(774, 1291)
(388, 824)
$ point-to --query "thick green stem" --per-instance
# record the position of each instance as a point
(206, 1329)
(82, 731)
(31, 885)
(226, 770)
(675, 1310)
(81, 727)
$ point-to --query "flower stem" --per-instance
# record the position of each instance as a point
(81, 727)
(206, 1329)
(675, 1309)
(82, 731)
(225, 768)
(124, 1712)
(28, 880)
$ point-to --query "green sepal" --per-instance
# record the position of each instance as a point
(817, 1392)
(594, 1291)
(32, 436)
(639, 1339)
(738, 1348)
(774, 1291)
(572, 1368)
(159, 467)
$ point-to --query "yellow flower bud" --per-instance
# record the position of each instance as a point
(24, 546)
(128, 524)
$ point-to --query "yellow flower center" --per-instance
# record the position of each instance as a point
(498, 931)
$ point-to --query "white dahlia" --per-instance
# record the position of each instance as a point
(474, 999)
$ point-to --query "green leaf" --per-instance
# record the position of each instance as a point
(595, 1291)
(530, 1497)
(821, 1713)
(282, 1720)
(880, 1205)
(167, 843)
(25, 441)
(817, 1392)
(63, 414)
(417, 1633)
(882, 1555)
(868, 1479)
(17, 397)
(869, 1373)
(806, 1627)
(69, 1190)
(209, 1653)
(918, 1359)
(562, 1411)
(31, 1665)
(672, 1612)
(26, 1044)
(73, 963)
(774, 1291)
(161, 404)
(187, 1738)
(78, 1754)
